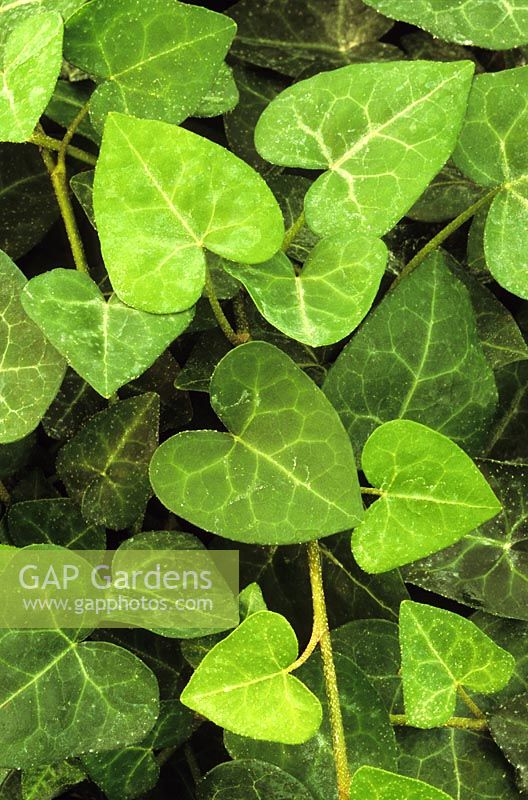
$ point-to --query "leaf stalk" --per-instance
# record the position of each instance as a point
(224, 324)
(329, 671)
(442, 235)
(462, 723)
(41, 139)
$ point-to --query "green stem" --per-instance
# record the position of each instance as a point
(440, 237)
(329, 672)
(293, 232)
(224, 324)
(370, 490)
(240, 315)
(164, 755)
(470, 703)
(43, 140)
(462, 723)
(59, 181)
(5, 497)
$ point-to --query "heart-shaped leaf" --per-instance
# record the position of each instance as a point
(330, 296)
(440, 652)
(51, 780)
(420, 342)
(244, 679)
(53, 521)
(488, 568)
(431, 495)
(377, 784)
(105, 466)
(173, 54)
(31, 64)
(150, 179)
(70, 697)
(382, 132)
(107, 343)
(491, 151)
(286, 472)
(369, 736)
(31, 370)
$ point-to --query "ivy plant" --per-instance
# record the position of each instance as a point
(263, 274)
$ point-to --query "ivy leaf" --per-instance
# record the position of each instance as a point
(54, 521)
(509, 728)
(447, 196)
(31, 63)
(27, 203)
(282, 36)
(465, 764)
(71, 697)
(499, 26)
(507, 438)
(74, 404)
(13, 14)
(276, 478)
(512, 635)
(250, 780)
(50, 781)
(82, 187)
(381, 785)
(15, 455)
(171, 60)
(105, 466)
(491, 152)
(432, 494)
(368, 734)
(132, 771)
(244, 679)
(257, 88)
(107, 343)
(145, 181)
(330, 296)
(488, 568)
(420, 343)
(221, 97)
(31, 370)
(66, 102)
(440, 652)
(382, 132)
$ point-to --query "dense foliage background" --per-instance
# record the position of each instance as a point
(386, 312)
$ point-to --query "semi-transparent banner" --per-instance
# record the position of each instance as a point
(190, 592)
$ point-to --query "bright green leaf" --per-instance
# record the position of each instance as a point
(221, 97)
(31, 370)
(431, 495)
(382, 132)
(377, 784)
(417, 356)
(105, 466)
(244, 679)
(149, 179)
(169, 61)
(368, 734)
(491, 151)
(488, 568)
(286, 471)
(499, 25)
(70, 697)
(14, 12)
(31, 64)
(328, 298)
(107, 343)
(440, 652)
(82, 187)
